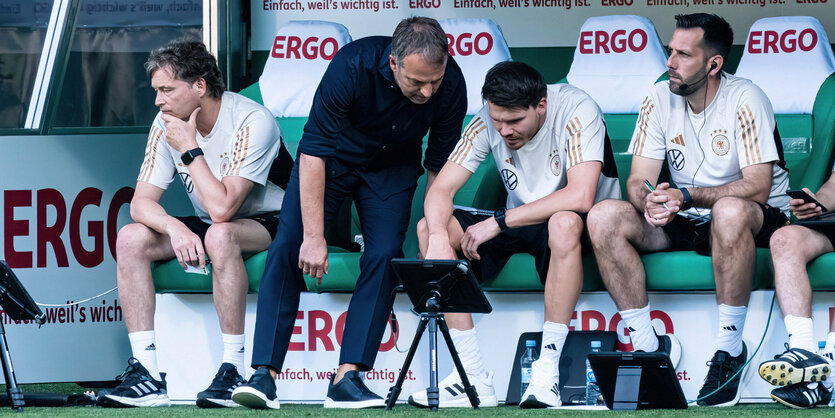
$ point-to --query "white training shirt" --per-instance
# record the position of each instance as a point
(738, 131)
(573, 133)
(244, 142)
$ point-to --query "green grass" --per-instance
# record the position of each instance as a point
(295, 410)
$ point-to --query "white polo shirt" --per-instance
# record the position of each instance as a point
(710, 149)
(573, 133)
(244, 142)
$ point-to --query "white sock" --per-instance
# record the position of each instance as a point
(233, 351)
(144, 349)
(731, 322)
(466, 344)
(800, 333)
(641, 331)
(553, 339)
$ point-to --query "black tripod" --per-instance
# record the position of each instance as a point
(15, 394)
(434, 320)
(18, 305)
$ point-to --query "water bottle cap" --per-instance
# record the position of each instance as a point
(530, 343)
(821, 344)
(595, 344)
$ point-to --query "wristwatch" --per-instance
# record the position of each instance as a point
(687, 201)
(498, 215)
(189, 156)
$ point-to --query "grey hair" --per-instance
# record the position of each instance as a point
(419, 35)
(188, 60)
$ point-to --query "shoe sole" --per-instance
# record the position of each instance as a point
(111, 401)
(782, 373)
(675, 350)
(532, 403)
(253, 399)
(484, 402)
(371, 403)
(785, 403)
(216, 403)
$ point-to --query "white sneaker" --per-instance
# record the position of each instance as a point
(452, 395)
(543, 391)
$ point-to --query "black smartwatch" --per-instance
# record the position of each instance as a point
(687, 201)
(189, 156)
(498, 215)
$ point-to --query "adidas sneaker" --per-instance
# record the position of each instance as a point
(543, 391)
(452, 394)
(219, 392)
(138, 388)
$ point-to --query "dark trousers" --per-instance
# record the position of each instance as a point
(383, 224)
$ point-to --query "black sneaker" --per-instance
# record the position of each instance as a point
(802, 395)
(795, 365)
(259, 393)
(219, 393)
(723, 367)
(351, 392)
(138, 388)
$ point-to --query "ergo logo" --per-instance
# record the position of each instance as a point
(466, 44)
(293, 47)
(763, 42)
(600, 41)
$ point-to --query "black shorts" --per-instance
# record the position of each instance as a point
(268, 220)
(531, 239)
(688, 235)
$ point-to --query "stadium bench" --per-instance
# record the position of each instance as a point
(802, 131)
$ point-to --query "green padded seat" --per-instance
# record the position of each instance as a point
(822, 272)
(686, 270)
(169, 277)
(520, 275)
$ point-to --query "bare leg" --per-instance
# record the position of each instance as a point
(136, 247)
(735, 223)
(224, 244)
(791, 248)
(617, 232)
(564, 280)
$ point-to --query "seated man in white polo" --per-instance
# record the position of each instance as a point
(550, 144)
(800, 372)
(227, 150)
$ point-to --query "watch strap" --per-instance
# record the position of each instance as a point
(189, 156)
(687, 200)
(499, 215)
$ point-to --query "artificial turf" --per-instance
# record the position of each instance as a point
(295, 410)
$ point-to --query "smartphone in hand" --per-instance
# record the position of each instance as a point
(801, 194)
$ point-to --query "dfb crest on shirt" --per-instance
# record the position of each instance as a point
(554, 162)
(186, 178)
(224, 165)
(676, 159)
(509, 179)
(720, 143)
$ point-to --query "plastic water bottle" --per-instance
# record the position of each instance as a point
(526, 361)
(592, 391)
(821, 347)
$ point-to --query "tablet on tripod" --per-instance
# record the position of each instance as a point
(452, 281)
(15, 300)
